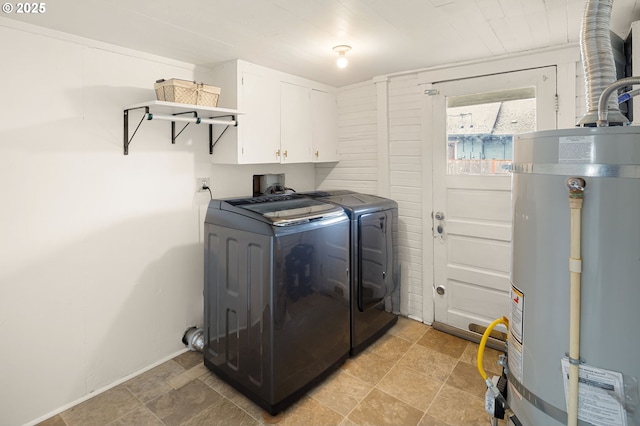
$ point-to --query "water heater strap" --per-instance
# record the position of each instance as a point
(539, 403)
(575, 265)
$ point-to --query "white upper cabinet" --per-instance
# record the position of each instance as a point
(296, 133)
(259, 132)
(256, 138)
(286, 119)
(324, 119)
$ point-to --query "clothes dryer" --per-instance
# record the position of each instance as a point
(375, 270)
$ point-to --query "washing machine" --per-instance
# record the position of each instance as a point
(375, 275)
(276, 295)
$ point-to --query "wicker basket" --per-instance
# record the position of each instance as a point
(187, 92)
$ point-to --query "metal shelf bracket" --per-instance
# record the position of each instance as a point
(175, 117)
(127, 140)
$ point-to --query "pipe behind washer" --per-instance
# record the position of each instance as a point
(194, 338)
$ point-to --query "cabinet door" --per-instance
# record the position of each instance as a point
(259, 127)
(295, 124)
(324, 116)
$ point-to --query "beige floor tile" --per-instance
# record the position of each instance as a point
(428, 361)
(341, 392)
(53, 421)
(489, 361)
(188, 376)
(380, 408)
(153, 383)
(427, 420)
(249, 406)
(309, 412)
(178, 406)
(222, 413)
(458, 408)
(443, 343)
(408, 385)
(466, 377)
(226, 390)
(390, 347)
(102, 409)
(189, 359)
(409, 329)
(410, 369)
(368, 367)
(141, 416)
(217, 384)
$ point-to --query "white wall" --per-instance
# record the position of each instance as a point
(101, 266)
(409, 184)
(358, 148)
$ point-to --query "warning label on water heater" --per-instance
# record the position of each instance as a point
(600, 395)
(516, 313)
(516, 326)
(576, 149)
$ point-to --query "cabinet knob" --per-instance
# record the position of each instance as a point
(278, 153)
(317, 154)
(285, 153)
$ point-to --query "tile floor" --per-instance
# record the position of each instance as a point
(413, 375)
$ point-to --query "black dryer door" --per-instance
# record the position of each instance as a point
(374, 259)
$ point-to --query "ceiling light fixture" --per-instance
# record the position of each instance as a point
(341, 50)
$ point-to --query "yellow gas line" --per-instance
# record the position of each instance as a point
(483, 343)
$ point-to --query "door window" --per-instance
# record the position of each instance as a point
(480, 129)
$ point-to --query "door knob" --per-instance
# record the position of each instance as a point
(440, 290)
(439, 216)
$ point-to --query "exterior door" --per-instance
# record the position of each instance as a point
(473, 121)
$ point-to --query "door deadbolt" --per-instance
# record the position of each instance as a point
(439, 216)
(440, 290)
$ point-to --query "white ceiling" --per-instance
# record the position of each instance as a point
(296, 36)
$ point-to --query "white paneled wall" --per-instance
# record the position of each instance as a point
(359, 170)
(357, 132)
(406, 184)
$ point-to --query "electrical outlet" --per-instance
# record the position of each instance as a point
(201, 183)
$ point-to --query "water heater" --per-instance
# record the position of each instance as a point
(608, 159)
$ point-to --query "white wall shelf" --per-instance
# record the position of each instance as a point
(185, 113)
